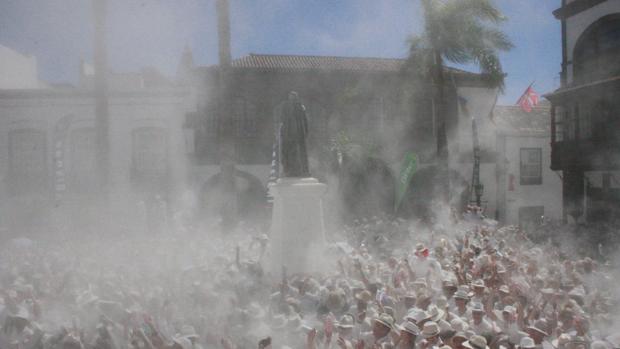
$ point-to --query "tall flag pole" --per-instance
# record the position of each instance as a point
(529, 99)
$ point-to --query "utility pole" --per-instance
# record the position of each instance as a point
(102, 119)
(226, 122)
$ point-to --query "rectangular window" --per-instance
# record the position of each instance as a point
(531, 166)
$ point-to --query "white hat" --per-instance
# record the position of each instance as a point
(527, 343)
(478, 283)
(539, 326)
(461, 295)
(430, 329)
(476, 342)
(509, 309)
(417, 315)
(185, 343)
(386, 320)
(459, 325)
(409, 327)
(346, 321)
(477, 307)
(441, 302)
(420, 282)
(445, 328)
(435, 313)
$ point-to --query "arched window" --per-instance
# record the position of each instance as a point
(27, 161)
(597, 52)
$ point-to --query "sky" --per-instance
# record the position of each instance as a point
(153, 33)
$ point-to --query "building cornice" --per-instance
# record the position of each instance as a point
(575, 7)
(83, 93)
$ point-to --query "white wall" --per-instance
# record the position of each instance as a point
(43, 110)
(17, 71)
(548, 194)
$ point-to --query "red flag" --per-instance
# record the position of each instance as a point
(528, 100)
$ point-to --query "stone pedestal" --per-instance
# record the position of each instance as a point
(297, 227)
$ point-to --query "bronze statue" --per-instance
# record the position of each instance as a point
(293, 132)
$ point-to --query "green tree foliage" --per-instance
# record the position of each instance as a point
(460, 32)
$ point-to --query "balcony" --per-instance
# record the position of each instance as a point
(586, 155)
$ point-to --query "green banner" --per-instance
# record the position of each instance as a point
(410, 165)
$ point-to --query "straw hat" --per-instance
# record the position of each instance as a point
(477, 307)
(386, 320)
(561, 340)
(447, 283)
(445, 329)
(409, 327)
(461, 335)
(509, 309)
(417, 315)
(419, 282)
(435, 313)
(478, 284)
(364, 296)
(527, 343)
(539, 326)
(459, 325)
(430, 329)
(476, 342)
(346, 321)
(409, 296)
(441, 302)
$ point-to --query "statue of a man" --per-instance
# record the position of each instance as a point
(293, 131)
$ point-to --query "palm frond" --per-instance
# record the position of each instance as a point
(483, 10)
(490, 65)
(496, 39)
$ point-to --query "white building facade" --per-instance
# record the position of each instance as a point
(48, 168)
(527, 187)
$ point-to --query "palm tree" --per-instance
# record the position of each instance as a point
(460, 32)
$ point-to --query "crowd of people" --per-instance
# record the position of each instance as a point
(391, 284)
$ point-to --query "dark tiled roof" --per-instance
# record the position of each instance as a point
(512, 119)
(298, 62)
(295, 62)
